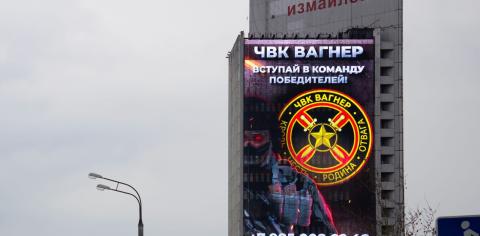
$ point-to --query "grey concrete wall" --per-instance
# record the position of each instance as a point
(235, 138)
(269, 18)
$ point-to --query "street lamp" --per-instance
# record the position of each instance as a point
(102, 187)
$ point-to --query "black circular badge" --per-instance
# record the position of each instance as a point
(327, 135)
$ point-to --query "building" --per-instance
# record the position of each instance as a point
(271, 19)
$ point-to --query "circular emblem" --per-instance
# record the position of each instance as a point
(327, 135)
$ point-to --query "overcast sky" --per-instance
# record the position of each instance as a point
(137, 90)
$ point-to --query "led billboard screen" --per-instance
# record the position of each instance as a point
(308, 137)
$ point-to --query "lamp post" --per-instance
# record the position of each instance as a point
(102, 187)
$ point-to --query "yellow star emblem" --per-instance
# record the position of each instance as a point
(323, 137)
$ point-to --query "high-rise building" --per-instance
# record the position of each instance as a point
(332, 19)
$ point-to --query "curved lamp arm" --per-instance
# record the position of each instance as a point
(97, 176)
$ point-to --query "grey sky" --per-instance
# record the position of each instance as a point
(442, 105)
(138, 90)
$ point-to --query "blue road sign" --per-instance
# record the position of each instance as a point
(459, 226)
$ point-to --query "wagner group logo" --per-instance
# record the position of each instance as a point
(327, 135)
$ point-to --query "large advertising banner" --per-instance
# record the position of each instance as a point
(308, 138)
